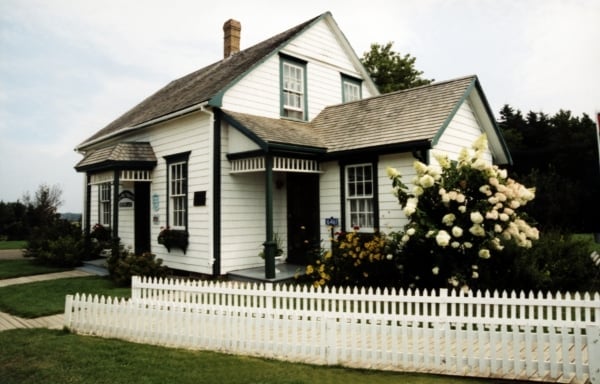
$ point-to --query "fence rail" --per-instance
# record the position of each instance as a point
(526, 336)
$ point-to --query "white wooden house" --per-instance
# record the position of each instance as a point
(265, 145)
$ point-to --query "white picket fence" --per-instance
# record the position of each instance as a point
(534, 336)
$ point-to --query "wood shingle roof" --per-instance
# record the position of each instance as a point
(139, 154)
(412, 115)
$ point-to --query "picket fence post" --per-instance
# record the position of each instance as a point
(68, 310)
(593, 343)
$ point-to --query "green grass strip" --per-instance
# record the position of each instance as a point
(43, 356)
(48, 297)
(24, 267)
(13, 244)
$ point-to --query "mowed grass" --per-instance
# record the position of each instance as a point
(13, 244)
(48, 297)
(44, 356)
(24, 267)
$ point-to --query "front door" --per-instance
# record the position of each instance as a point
(303, 216)
(142, 217)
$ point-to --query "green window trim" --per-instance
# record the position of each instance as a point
(351, 88)
(360, 196)
(177, 190)
(105, 204)
(293, 88)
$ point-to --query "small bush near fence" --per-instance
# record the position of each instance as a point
(124, 264)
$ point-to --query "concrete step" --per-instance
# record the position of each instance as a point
(97, 267)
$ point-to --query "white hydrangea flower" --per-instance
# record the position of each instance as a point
(476, 217)
(442, 238)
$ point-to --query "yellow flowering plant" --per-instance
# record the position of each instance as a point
(461, 213)
(355, 259)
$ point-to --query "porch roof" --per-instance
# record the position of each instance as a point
(268, 131)
(139, 155)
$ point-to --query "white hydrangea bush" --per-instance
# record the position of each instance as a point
(460, 213)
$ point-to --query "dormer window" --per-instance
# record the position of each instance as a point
(351, 89)
(293, 88)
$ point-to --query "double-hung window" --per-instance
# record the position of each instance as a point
(177, 166)
(293, 88)
(104, 201)
(360, 210)
(351, 89)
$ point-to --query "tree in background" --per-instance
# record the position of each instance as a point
(390, 70)
(558, 155)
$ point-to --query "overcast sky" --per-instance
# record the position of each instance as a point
(68, 68)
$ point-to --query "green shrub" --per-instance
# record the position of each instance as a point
(558, 262)
(123, 265)
(59, 244)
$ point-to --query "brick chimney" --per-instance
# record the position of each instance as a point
(231, 44)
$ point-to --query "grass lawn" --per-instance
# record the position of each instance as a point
(24, 267)
(48, 297)
(44, 356)
(13, 244)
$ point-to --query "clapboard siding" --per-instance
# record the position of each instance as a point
(243, 213)
(258, 92)
(126, 220)
(391, 217)
(191, 133)
(462, 131)
(329, 199)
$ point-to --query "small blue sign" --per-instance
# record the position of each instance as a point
(155, 202)
(333, 221)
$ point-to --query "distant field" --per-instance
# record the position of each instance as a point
(16, 244)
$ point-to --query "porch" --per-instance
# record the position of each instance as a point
(284, 273)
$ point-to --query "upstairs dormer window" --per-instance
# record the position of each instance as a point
(293, 88)
(351, 89)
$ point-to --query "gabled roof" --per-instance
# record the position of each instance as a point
(138, 154)
(411, 119)
(208, 84)
(199, 86)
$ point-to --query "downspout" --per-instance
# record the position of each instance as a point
(270, 245)
(216, 265)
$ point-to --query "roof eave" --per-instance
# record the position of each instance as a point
(405, 147)
(182, 112)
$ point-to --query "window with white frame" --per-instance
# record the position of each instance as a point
(351, 89)
(293, 89)
(359, 196)
(104, 201)
(178, 194)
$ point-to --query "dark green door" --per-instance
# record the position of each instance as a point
(303, 216)
(142, 217)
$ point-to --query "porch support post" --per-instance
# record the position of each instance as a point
(115, 213)
(86, 215)
(270, 246)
